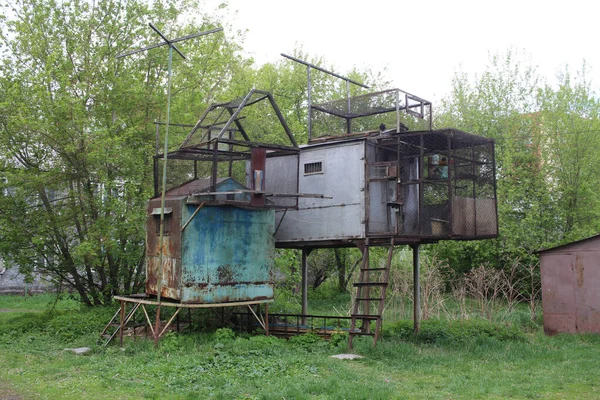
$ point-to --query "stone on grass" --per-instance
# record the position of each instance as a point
(79, 350)
(347, 356)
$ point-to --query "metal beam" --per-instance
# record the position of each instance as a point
(324, 70)
(417, 290)
(305, 253)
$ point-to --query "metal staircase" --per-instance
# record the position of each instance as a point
(370, 296)
(113, 327)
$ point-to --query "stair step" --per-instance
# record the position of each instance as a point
(369, 299)
(373, 269)
(107, 336)
(362, 316)
(357, 284)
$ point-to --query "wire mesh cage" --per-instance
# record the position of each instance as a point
(393, 110)
(432, 185)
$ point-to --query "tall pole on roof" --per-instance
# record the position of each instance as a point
(171, 44)
(309, 113)
(309, 66)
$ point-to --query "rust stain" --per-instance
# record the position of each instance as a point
(579, 267)
(225, 273)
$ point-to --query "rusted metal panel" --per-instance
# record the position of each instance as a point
(587, 279)
(227, 255)
(558, 295)
(221, 293)
(171, 248)
(171, 277)
(570, 281)
(224, 253)
(257, 168)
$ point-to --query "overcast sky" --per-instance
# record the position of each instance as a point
(422, 43)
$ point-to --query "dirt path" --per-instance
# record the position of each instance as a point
(8, 394)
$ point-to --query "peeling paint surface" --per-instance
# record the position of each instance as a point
(570, 282)
(224, 254)
(227, 253)
(171, 249)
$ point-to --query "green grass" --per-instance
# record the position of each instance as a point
(450, 360)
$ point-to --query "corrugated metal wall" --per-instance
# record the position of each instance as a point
(571, 287)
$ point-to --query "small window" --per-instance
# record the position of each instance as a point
(313, 168)
(168, 212)
(167, 229)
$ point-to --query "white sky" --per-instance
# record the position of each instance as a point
(422, 43)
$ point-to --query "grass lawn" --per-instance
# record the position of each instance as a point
(450, 361)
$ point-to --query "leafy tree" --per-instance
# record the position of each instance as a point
(570, 119)
(500, 105)
(76, 133)
(546, 155)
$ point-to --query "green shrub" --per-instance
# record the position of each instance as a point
(264, 342)
(436, 331)
(224, 335)
(26, 323)
(309, 341)
(338, 338)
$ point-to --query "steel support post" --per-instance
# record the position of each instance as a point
(304, 283)
(417, 290)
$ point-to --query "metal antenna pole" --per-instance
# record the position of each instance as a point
(309, 66)
(171, 44)
(309, 114)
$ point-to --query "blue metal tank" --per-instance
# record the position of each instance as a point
(213, 250)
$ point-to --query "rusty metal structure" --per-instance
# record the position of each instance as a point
(240, 186)
(211, 254)
(388, 179)
(218, 234)
(570, 279)
(416, 187)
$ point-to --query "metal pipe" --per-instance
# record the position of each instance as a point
(215, 163)
(304, 284)
(157, 143)
(155, 173)
(397, 111)
(324, 70)
(309, 100)
(164, 192)
(348, 105)
(416, 290)
(266, 319)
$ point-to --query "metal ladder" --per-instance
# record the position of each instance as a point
(370, 292)
(109, 335)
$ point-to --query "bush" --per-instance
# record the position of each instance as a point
(224, 335)
(308, 341)
(26, 323)
(66, 326)
(436, 331)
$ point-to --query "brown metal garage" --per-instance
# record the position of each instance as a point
(571, 287)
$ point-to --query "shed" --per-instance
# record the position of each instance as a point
(415, 187)
(570, 280)
(215, 250)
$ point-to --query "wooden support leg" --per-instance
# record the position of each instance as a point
(267, 319)
(121, 323)
(157, 326)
